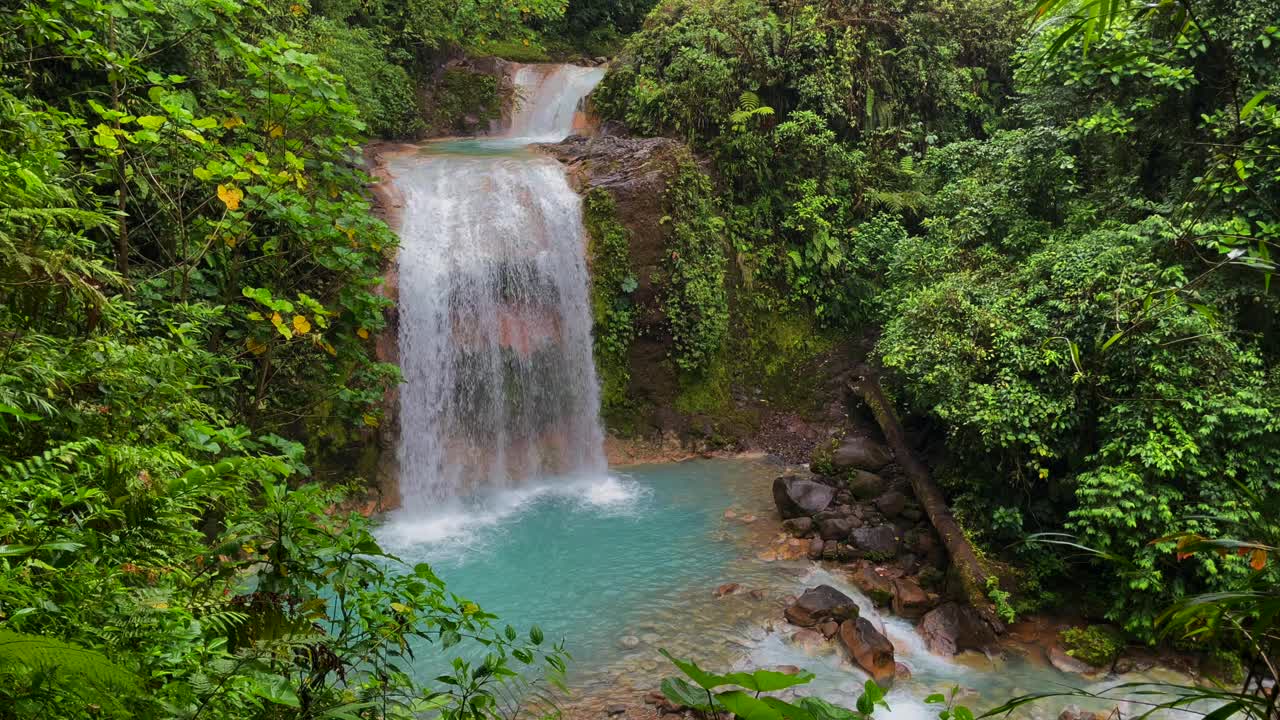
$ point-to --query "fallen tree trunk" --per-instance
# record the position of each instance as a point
(969, 570)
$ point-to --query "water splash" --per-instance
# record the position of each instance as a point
(495, 324)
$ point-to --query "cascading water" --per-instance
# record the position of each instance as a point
(495, 322)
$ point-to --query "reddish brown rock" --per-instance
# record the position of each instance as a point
(727, 589)
(909, 599)
(821, 603)
(872, 651)
(952, 627)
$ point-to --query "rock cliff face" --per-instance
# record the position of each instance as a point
(661, 422)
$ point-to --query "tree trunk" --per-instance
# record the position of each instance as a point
(973, 578)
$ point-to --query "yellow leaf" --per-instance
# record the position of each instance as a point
(329, 349)
(230, 196)
(276, 131)
(296, 9)
(364, 334)
(255, 347)
(230, 240)
(399, 607)
(276, 319)
(370, 420)
(232, 122)
(1258, 559)
(301, 325)
(1044, 473)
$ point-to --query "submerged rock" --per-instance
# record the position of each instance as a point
(821, 603)
(727, 589)
(796, 497)
(861, 454)
(952, 627)
(871, 650)
(816, 547)
(1067, 664)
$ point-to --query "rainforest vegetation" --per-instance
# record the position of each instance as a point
(1057, 224)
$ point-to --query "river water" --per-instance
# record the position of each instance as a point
(504, 485)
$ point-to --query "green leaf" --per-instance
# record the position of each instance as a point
(680, 692)
(768, 680)
(1249, 107)
(746, 707)
(151, 122)
(704, 679)
(535, 635)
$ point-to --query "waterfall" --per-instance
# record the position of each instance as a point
(495, 320)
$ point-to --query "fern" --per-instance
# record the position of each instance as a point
(748, 107)
(44, 654)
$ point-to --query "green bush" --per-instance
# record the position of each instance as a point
(462, 101)
(1097, 645)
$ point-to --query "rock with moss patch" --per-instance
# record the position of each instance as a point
(860, 453)
(1095, 645)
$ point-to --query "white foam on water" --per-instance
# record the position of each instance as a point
(462, 528)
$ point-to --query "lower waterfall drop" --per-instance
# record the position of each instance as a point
(495, 319)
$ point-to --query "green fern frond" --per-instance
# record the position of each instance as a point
(39, 653)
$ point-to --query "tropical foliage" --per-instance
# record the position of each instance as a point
(189, 300)
(1063, 236)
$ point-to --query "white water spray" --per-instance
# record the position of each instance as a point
(495, 323)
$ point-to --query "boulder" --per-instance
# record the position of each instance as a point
(872, 651)
(799, 526)
(859, 453)
(881, 541)
(876, 586)
(909, 599)
(821, 603)
(836, 528)
(796, 497)
(866, 485)
(901, 672)
(952, 627)
(829, 629)
(891, 504)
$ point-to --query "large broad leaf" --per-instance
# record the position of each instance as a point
(681, 692)
(768, 680)
(704, 679)
(822, 710)
(788, 710)
(748, 708)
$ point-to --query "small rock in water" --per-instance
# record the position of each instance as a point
(649, 665)
(756, 594)
(629, 641)
(748, 519)
(808, 639)
(651, 638)
(829, 628)
(727, 589)
(729, 514)
(616, 710)
(654, 697)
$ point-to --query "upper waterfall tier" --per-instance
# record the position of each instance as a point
(549, 99)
